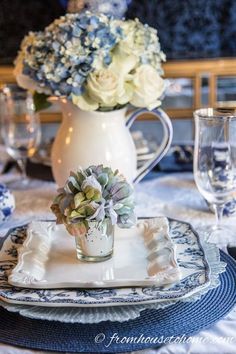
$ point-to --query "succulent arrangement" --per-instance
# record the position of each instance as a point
(95, 61)
(94, 193)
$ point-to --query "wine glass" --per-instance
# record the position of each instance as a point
(20, 127)
(215, 161)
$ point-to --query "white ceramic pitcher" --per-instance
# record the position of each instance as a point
(90, 138)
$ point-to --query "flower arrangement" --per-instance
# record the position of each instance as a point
(95, 193)
(97, 62)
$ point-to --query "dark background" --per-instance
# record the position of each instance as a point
(187, 28)
(18, 17)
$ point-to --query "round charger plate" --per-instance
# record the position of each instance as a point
(177, 320)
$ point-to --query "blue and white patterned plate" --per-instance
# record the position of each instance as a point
(117, 313)
(190, 256)
(7, 203)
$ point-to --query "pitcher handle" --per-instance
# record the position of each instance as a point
(165, 144)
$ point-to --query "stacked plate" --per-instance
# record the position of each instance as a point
(156, 264)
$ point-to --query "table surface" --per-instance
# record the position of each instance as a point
(172, 195)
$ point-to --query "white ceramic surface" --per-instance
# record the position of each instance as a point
(92, 138)
(143, 256)
(117, 313)
(192, 261)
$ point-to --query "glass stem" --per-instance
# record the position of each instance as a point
(22, 165)
(218, 208)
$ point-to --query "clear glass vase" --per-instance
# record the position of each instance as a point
(97, 244)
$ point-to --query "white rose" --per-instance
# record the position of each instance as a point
(125, 93)
(148, 87)
(85, 103)
(102, 87)
(105, 88)
(127, 45)
(122, 63)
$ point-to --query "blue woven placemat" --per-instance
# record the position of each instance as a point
(177, 320)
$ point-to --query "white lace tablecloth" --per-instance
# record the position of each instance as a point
(173, 195)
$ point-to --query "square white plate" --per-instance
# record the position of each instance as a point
(143, 256)
(191, 256)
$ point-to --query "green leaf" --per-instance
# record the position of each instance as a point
(40, 101)
(103, 179)
(78, 199)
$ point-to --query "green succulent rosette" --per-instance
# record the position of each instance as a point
(94, 193)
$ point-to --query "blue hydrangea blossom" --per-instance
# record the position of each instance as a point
(95, 61)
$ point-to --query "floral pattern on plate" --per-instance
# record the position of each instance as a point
(190, 256)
